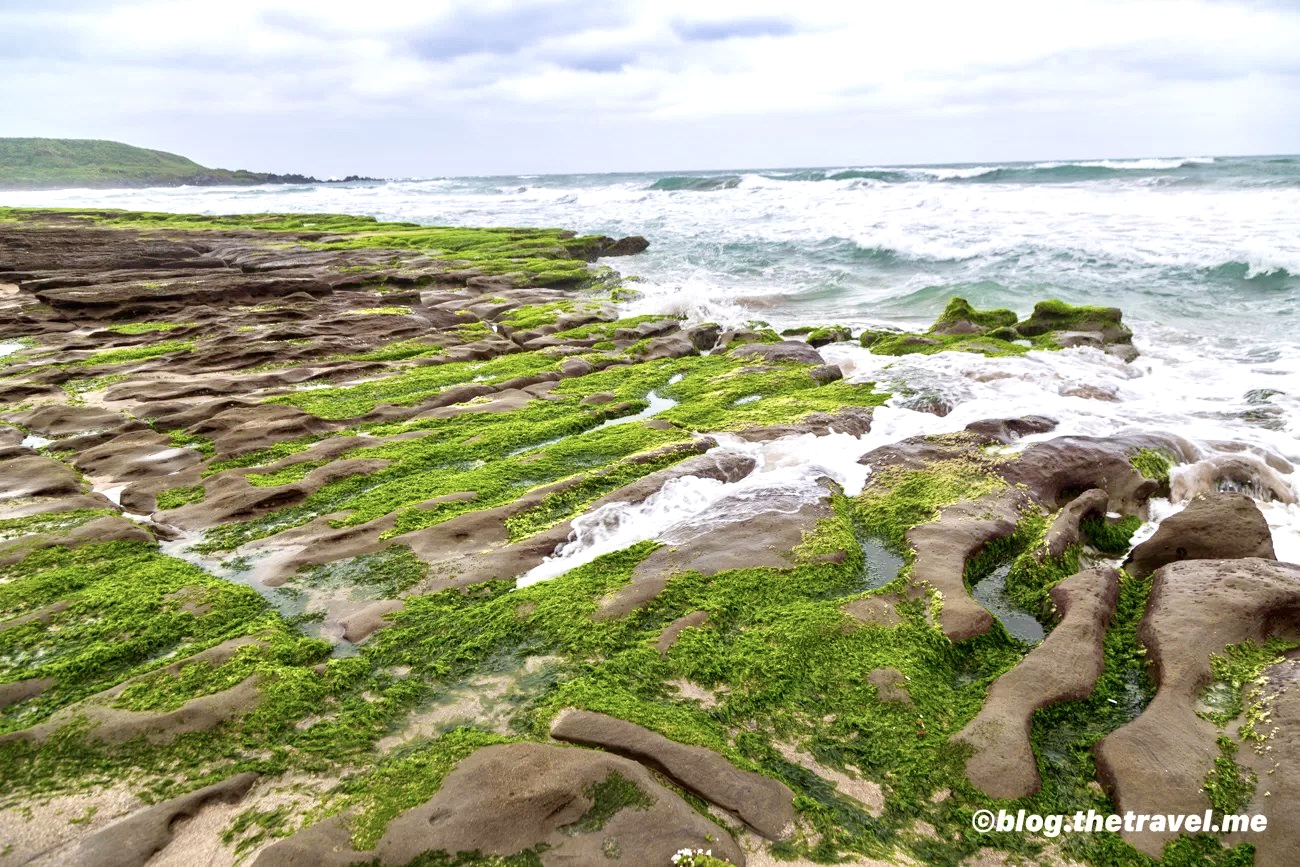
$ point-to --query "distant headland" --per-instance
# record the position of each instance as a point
(58, 163)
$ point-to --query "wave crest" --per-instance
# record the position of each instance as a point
(695, 183)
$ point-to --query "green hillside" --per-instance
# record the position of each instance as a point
(51, 163)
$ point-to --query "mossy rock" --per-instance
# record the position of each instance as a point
(959, 317)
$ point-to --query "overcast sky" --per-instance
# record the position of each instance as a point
(483, 87)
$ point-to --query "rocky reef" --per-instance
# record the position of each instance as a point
(329, 541)
(1052, 325)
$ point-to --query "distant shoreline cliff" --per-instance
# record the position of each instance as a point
(54, 163)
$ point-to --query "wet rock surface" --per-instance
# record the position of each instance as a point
(1211, 527)
(1197, 608)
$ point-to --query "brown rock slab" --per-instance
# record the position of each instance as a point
(114, 725)
(786, 350)
(765, 804)
(1057, 469)
(1215, 526)
(361, 624)
(1159, 761)
(109, 528)
(20, 690)
(1063, 667)
(727, 546)
(133, 841)
(1064, 530)
(507, 798)
(943, 547)
(36, 477)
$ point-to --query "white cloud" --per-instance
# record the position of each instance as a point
(296, 81)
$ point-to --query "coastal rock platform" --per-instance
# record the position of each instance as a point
(332, 541)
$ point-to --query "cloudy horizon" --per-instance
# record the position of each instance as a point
(555, 86)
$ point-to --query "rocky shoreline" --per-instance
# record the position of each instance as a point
(300, 518)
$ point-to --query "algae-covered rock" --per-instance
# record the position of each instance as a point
(1052, 325)
(381, 511)
(572, 805)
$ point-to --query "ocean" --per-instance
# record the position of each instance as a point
(1202, 254)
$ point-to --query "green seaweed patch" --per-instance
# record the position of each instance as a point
(959, 310)
(498, 457)
(261, 457)
(271, 649)
(1228, 787)
(127, 607)
(1034, 570)
(397, 350)
(253, 827)
(609, 797)
(1110, 537)
(1238, 677)
(49, 522)
(379, 311)
(412, 386)
(174, 498)
(1056, 315)
(993, 333)
(81, 385)
(145, 327)
(182, 440)
(906, 343)
(897, 499)
(606, 329)
(1153, 464)
(529, 317)
(284, 476)
(137, 353)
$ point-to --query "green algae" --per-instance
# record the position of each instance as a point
(1110, 537)
(397, 350)
(994, 333)
(1153, 464)
(284, 476)
(182, 440)
(381, 575)
(960, 310)
(174, 498)
(415, 385)
(1238, 671)
(144, 352)
(609, 797)
(48, 522)
(144, 327)
(1227, 786)
(899, 499)
(379, 311)
(81, 385)
(895, 343)
(126, 607)
(501, 456)
(785, 665)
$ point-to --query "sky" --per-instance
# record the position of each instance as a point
(404, 89)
